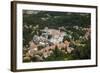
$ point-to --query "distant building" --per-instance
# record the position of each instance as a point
(76, 27)
(57, 35)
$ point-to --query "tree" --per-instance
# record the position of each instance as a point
(57, 55)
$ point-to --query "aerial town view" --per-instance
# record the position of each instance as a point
(56, 36)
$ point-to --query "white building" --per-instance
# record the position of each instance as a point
(57, 36)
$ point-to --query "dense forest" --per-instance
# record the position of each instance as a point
(76, 26)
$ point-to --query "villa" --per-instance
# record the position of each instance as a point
(56, 35)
